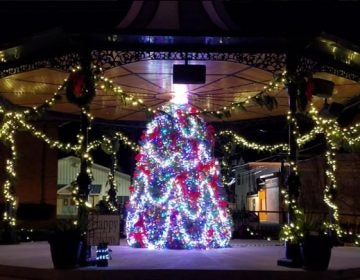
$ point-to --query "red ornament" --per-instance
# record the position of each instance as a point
(181, 117)
(174, 138)
(138, 236)
(181, 178)
(144, 170)
(210, 232)
(194, 146)
(193, 110)
(202, 167)
(131, 189)
(140, 222)
(154, 134)
(138, 157)
(143, 136)
(223, 204)
(193, 195)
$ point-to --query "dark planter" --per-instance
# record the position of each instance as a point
(293, 253)
(65, 249)
(316, 252)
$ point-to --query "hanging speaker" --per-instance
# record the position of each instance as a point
(189, 74)
(323, 88)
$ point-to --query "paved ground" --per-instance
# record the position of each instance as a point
(246, 259)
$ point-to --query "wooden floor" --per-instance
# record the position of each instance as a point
(246, 259)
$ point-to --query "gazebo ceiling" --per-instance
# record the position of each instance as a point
(140, 24)
(151, 81)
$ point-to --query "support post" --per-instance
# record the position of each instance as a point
(112, 190)
(292, 251)
(83, 179)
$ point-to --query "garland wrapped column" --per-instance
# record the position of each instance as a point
(112, 191)
(9, 215)
(293, 257)
(80, 91)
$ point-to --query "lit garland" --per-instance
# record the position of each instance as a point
(8, 135)
(37, 111)
(303, 139)
(111, 149)
(125, 140)
(20, 120)
(292, 232)
(110, 203)
(107, 142)
(2, 57)
(333, 134)
(241, 141)
(84, 155)
(176, 198)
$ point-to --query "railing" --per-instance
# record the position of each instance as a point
(250, 222)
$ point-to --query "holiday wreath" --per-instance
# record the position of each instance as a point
(77, 88)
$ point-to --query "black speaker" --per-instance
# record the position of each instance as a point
(189, 74)
(323, 88)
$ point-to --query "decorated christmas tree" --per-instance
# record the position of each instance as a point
(177, 199)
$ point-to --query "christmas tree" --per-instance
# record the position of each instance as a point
(177, 199)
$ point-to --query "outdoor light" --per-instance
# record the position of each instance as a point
(102, 255)
(180, 94)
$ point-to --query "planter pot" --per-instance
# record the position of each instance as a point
(293, 253)
(65, 249)
(316, 252)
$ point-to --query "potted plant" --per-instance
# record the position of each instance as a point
(65, 245)
(316, 243)
(308, 242)
(292, 235)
